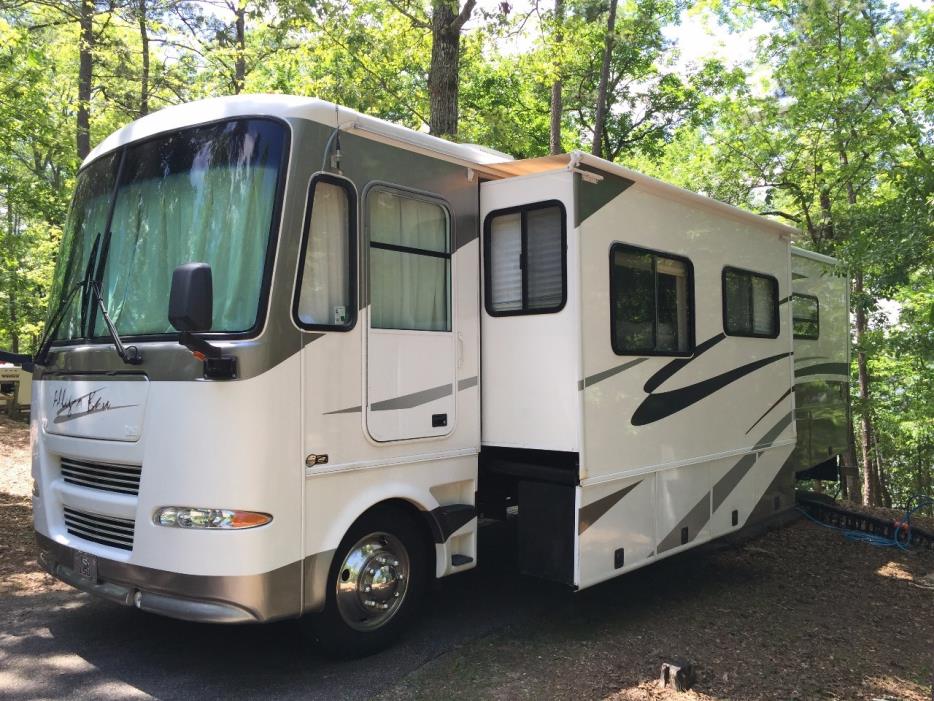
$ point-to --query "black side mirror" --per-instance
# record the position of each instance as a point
(191, 301)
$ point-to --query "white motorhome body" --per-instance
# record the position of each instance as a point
(402, 328)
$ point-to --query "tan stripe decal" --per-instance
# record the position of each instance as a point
(590, 513)
(594, 379)
(408, 401)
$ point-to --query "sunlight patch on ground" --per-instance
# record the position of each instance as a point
(895, 570)
(888, 688)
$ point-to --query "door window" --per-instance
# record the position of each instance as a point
(410, 262)
(526, 260)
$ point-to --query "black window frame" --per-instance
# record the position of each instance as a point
(689, 266)
(523, 211)
(353, 216)
(816, 301)
(776, 317)
(431, 198)
(263, 311)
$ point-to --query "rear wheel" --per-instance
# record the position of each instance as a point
(374, 585)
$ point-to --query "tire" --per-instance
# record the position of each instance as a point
(374, 587)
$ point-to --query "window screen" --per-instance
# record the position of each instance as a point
(750, 304)
(410, 262)
(805, 313)
(651, 296)
(526, 260)
(327, 264)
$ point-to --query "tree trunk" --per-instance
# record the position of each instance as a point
(884, 491)
(11, 290)
(850, 477)
(85, 68)
(870, 478)
(602, 106)
(144, 78)
(554, 141)
(240, 62)
(444, 72)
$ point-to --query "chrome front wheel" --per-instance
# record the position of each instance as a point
(373, 581)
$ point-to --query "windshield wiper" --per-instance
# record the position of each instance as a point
(128, 354)
(56, 319)
(42, 354)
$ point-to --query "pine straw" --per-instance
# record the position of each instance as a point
(798, 613)
(19, 571)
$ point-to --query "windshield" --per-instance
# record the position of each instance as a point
(204, 194)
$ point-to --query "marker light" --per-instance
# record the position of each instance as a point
(223, 519)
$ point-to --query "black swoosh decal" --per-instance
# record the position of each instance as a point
(777, 401)
(662, 405)
(824, 369)
(671, 368)
(811, 357)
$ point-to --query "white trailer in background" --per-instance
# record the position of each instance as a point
(296, 351)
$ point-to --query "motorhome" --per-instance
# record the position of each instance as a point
(295, 352)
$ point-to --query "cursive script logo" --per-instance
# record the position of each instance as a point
(70, 407)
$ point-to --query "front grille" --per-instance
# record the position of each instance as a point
(123, 479)
(106, 530)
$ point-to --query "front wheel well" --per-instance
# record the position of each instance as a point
(420, 518)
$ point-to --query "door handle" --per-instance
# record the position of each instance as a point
(460, 350)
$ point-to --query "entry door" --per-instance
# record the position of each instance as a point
(410, 338)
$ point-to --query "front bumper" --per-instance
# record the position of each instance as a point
(204, 598)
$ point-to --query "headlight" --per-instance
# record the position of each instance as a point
(224, 519)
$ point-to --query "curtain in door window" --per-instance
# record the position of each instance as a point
(505, 262)
(325, 291)
(546, 258)
(410, 266)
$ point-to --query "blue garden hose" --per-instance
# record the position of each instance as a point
(916, 502)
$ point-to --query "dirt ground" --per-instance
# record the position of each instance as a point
(19, 573)
(797, 613)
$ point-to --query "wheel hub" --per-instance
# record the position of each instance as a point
(372, 581)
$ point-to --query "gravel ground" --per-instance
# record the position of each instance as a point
(796, 613)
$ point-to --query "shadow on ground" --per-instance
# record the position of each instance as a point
(757, 619)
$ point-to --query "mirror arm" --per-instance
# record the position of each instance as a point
(199, 348)
(217, 366)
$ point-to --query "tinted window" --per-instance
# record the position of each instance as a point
(750, 304)
(651, 302)
(805, 312)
